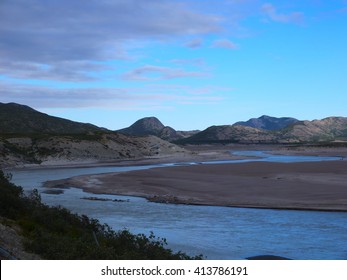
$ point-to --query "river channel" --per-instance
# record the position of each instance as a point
(215, 232)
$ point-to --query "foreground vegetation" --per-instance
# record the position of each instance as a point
(56, 233)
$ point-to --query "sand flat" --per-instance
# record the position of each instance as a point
(306, 185)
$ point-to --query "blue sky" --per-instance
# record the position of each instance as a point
(191, 63)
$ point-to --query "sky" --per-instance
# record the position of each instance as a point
(190, 63)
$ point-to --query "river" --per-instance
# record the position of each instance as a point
(215, 232)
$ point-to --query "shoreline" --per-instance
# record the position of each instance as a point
(195, 153)
(314, 186)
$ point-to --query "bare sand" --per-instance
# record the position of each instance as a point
(308, 185)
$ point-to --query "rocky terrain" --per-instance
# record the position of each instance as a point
(60, 150)
(328, 129)
(11, 242)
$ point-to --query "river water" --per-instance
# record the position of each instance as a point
(215, 232)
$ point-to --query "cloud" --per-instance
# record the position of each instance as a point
(44, 31)
(35, 32)
(153, 95)
(193, 61)
(155, 73)
(226, 44)
(194, 43)
(271, 12)
(71, 71)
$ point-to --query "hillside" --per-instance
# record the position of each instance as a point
(30, 137)
(328, 129)
(16, 118)
(325, 130)
(229, 134)
(153, 126)
(76, 149)
(268, 123)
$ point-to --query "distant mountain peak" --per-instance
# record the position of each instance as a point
(144, 126)
(153, 126)
(268, 123)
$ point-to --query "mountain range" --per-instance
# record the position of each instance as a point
(29, 136)
(326, 130)
(265, 129)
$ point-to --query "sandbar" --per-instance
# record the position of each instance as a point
(300, 186)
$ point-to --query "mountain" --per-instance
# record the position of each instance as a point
(325, 130)
(229, 134)
(328, 129)
(268, 123)
(145, 126)
(16, 118)
(152, 126)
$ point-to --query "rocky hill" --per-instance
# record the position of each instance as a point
(16, 118)
(328, 129)
(152, 126)
(268, 123)
(69, 149)
(325, 130)
(229, 134)
(145, 126)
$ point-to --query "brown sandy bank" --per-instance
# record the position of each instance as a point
(309, 185)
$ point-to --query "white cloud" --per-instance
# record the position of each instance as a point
(271, 13)
(194, 43)
(226, 44)
(193, 61)
(155, 73)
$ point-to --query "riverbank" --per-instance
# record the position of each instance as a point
(193, 153)
(305, 185)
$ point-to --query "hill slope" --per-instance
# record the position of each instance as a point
(16, 118)
(328, 129)
(30, 137)
(68, 149)
(229, 134)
